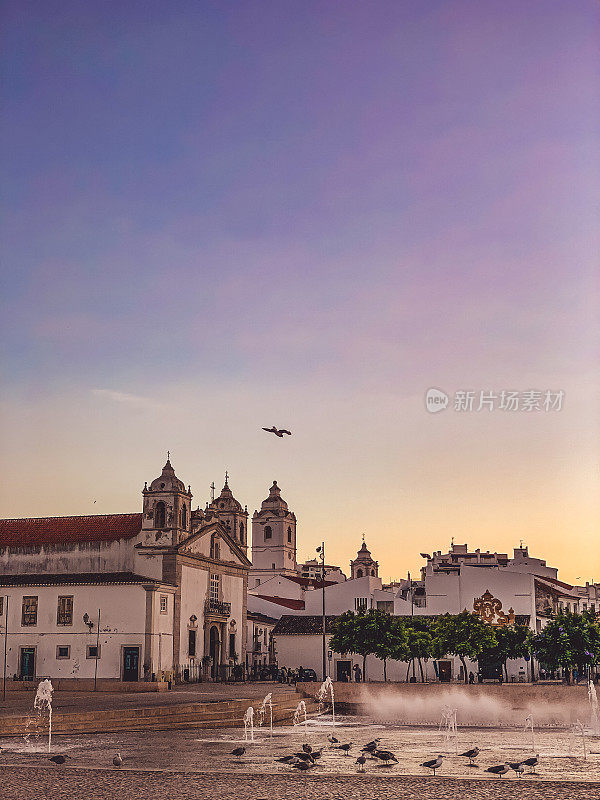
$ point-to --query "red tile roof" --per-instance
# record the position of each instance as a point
(56, 530)
(314, 582)
(287, 602)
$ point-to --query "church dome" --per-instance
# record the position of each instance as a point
(364, 554)
(274, 501)
(226, 501)
(168, 481)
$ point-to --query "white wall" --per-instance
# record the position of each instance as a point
(122, 623)
(341, 596)
(68, 558)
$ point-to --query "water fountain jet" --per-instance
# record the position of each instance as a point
(43, 700)
(593, 700)
(301, 709)
(327, 686)
(529, 726)
(268, 701)
(249, 724)
(448, 724)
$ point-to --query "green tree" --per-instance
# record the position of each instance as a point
(513, 641)
(464, 635)
(420, 644)
(569, 640)
(357, 633)
(391, 638)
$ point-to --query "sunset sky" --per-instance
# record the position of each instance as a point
(218, 216)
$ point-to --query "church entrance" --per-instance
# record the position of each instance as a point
(214, 651)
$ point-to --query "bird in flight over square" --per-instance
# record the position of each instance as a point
(277, 432)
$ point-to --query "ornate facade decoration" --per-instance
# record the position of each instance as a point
(489, 608)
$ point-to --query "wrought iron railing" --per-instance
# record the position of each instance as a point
(218, 607)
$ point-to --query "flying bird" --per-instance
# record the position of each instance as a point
(434, 763)
(277, 431)
(471, 755)
(499, 769)
(117, 760)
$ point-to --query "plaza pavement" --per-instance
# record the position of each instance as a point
(65, 701)
(64, 783)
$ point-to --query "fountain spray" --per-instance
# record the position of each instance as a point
(43, 699)
(327, 686)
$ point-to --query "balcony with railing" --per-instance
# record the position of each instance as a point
(218, 607)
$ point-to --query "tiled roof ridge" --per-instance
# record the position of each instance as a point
(69, 516)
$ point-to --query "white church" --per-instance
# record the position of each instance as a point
(127, 596)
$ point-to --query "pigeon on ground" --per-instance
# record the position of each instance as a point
(345, 747)
(277, 432)
(303, 765)
(307, 748)
(239, 752)
(305, 757)
(361, 761)
(386, 756)
(471, 755)
(370, 746)
(332, 739)
(316, 754)
(517, 766)
(531, 762)
(433, 764)
(59, 759)
(499, 769)
(117, 760)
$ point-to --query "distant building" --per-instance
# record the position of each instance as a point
(363, 564)
(313, 569)
(500, 589)
(261, 646)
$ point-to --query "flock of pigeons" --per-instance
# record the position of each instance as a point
(308, 758)
(498, 769)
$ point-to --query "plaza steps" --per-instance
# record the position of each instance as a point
(219, 714)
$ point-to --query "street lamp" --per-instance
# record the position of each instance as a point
(321, 551)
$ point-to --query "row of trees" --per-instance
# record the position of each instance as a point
(568, 641)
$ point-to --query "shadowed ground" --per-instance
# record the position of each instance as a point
(65, 784)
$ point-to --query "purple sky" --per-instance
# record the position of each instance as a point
(223, 215)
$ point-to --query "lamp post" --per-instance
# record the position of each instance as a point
(5, 638)
(412, 613)
(321, 550)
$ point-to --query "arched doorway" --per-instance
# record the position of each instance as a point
(214, 651)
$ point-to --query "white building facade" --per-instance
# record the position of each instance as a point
(160, 593)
